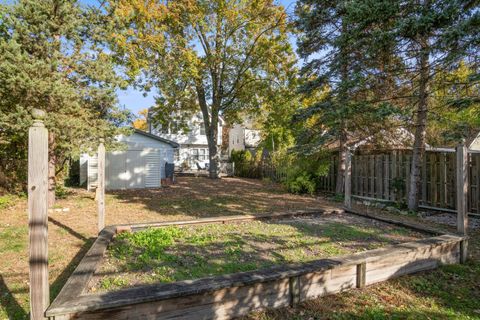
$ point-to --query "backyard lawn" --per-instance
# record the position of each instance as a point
(72, 224)
(448, 293)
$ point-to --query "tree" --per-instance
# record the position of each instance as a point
(54, 58)
(455, 106)
(429, 36)
(334, 73)
(141, 122)
(220, 57)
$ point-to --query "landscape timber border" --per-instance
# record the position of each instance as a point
(233, 295)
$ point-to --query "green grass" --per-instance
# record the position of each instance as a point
(6, 201)
(188, 252)
(13, 239)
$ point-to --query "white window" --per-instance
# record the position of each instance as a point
(195, 154)
(201, 154)
(174, 127)
(176, 155)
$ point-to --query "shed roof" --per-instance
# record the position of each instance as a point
(155, 137)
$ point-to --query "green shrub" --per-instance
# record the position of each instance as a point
(303, 183)
(247, 165)
(61, 192)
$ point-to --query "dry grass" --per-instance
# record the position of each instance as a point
(72, 233)
(450, 292)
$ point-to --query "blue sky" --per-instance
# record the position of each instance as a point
(135, 101)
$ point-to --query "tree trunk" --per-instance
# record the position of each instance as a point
(213, 154)
(52, 161)
(420, 129)
(214, 160)
(342, 153)
(210, 121)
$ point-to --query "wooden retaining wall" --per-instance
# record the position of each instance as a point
(224, 297)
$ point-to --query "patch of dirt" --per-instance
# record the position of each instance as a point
(449, 219)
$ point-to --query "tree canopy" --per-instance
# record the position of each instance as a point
(218, 57)
(53, 57)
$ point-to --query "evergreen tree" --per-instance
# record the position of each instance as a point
(336, 70)
(53, 57)
(429, 36)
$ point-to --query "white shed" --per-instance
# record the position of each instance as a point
(141, 165)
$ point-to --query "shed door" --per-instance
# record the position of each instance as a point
(135, 169)
(116, 176)
(152, 168)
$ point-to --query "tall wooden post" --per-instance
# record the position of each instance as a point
(101, 186)
(348, 179)
(462, 190)
(38, 215)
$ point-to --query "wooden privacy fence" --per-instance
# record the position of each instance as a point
(386, 176)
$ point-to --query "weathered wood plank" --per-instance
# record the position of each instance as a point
(38, 215)
(222, 304)
(443, 179)
(348, 180)
(228, 219)
(361, 274)
(393, 194)
(101, 187)
(79, 279)
(462, 189)
(413, 226)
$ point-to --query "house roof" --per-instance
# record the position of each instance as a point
(155, 137)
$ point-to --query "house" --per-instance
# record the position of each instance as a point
(243, 137)
(474, 142)
(141, 165)
(193, 145)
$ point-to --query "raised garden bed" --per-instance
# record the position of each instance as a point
(275, 280)
(176, 253)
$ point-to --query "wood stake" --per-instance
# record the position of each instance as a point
(101, 187)
(38, 215)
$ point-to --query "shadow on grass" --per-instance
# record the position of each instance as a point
(68, 229)
(204, 197)
(11, 306)
(62, 278)
(59, 282)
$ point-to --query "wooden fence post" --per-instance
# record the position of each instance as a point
(101, 186)
(348, 180)
(462, 189)
(38, 215)
(462, 185)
